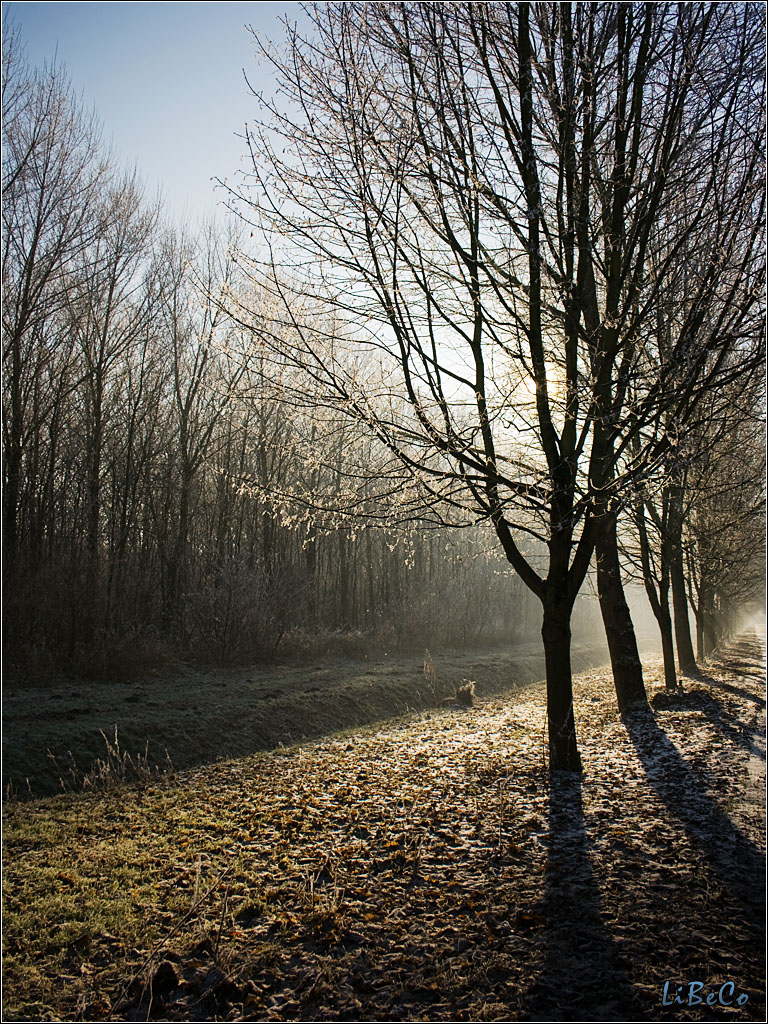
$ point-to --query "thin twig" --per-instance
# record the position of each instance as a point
(221, 924)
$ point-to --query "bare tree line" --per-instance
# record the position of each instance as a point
(506, 323)
(161, 495)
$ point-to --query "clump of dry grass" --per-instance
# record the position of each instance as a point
(466, 693)
(430, 672)
(116, 768)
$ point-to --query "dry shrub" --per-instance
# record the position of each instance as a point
(241, 613)
(123, 656)
(466, 693)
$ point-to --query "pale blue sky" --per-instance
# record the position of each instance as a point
(166, 80)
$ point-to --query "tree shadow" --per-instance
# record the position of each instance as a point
(737, 862)
(746, 668)
(736, 691)
(748, 646)
(729, 725)
(744, 656)
(584, 976)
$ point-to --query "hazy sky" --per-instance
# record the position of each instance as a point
(166, 79)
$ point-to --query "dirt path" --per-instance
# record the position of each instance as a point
(425, 870)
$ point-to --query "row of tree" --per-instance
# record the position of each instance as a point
(505, 324)
(542, 225)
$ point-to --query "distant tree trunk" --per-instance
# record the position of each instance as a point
(177, 569)
(343, 605)
(667, 646)
(94, 478)
(700, 633)
(310, 567)
(12, 456)
(708, 633)
(370, 611)
(619, 630)
(685, 656)
(657, 586)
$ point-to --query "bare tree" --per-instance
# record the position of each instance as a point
(53, 171)
(107, 316)
(204, 372)
(474, 190)
(725, 521)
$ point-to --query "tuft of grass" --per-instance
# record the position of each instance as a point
(116, 768)
(466, 693)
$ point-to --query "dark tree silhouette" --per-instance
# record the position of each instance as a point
(476, 194)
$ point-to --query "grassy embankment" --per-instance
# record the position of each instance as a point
(194, 716)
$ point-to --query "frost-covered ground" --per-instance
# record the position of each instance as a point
(195, 716)
(424, 870)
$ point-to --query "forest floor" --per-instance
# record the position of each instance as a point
(425, 869)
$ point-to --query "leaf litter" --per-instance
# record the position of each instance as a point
(429, 870)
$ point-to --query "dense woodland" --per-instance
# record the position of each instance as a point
(162, 496)
(497, 306)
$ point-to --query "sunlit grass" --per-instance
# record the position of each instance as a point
(122, 866)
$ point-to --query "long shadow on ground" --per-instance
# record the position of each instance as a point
(731, 727)
(737, 864)
(734, 691)
(584, 976)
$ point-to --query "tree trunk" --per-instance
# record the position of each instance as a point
(700, 632)
(310, 568)
(343, 601)
(177, 569)
(370, 611)
(685, 656)
(93, 483)
(556, 634)
(667, 646)
(12, 459)
(711, 626)
(657, 590)
(619, 630)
